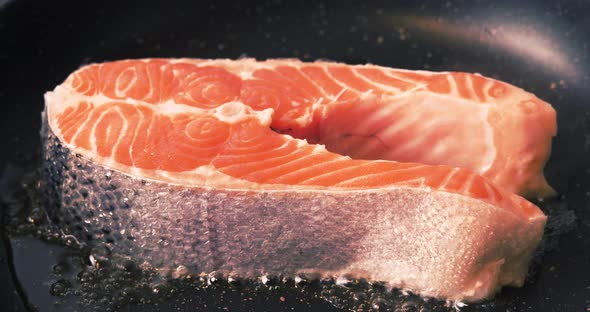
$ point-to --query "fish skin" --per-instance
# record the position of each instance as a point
(210, 207)
(436, 244)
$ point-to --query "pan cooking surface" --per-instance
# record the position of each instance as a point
(541, 46)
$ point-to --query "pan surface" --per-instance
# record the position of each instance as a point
(541, 46)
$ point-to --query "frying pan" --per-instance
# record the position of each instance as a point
(541, 46)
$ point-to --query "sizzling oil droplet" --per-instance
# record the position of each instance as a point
(60, 268)
(60, 288)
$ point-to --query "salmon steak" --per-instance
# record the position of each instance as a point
(281, 166)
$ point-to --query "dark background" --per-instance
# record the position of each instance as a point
(541, 46)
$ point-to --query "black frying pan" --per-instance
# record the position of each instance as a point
(541, 46)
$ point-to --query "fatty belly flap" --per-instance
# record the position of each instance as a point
(434, 243)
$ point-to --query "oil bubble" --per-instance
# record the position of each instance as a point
(60, 268)
(60, 288)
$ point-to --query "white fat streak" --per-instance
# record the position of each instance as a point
(420, 71)
(345, 168)
(236, 112)
(391, 103)
(304, 119)
(323, 67)
(436, 151)
(197, 176)
(448, 178)
(324, 92)
(56, 102)
(466, 184)
(421, 179)
(471, 89)
(419, 84)
(486, 89)
(452, 86)
(390, 72)
(149, 129)
(399, 125)
(299, 66)
(243, 67)
(300, 144)
(135, 134)
(490, 156)
(345, 87)
(491, 194)
(376, 84)
(93, 131)
(408, 145)
(336, 97)
(282, 165)
(78, 131)
(121, 92)
(318, 104)
(318, 165)
(122, 132)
